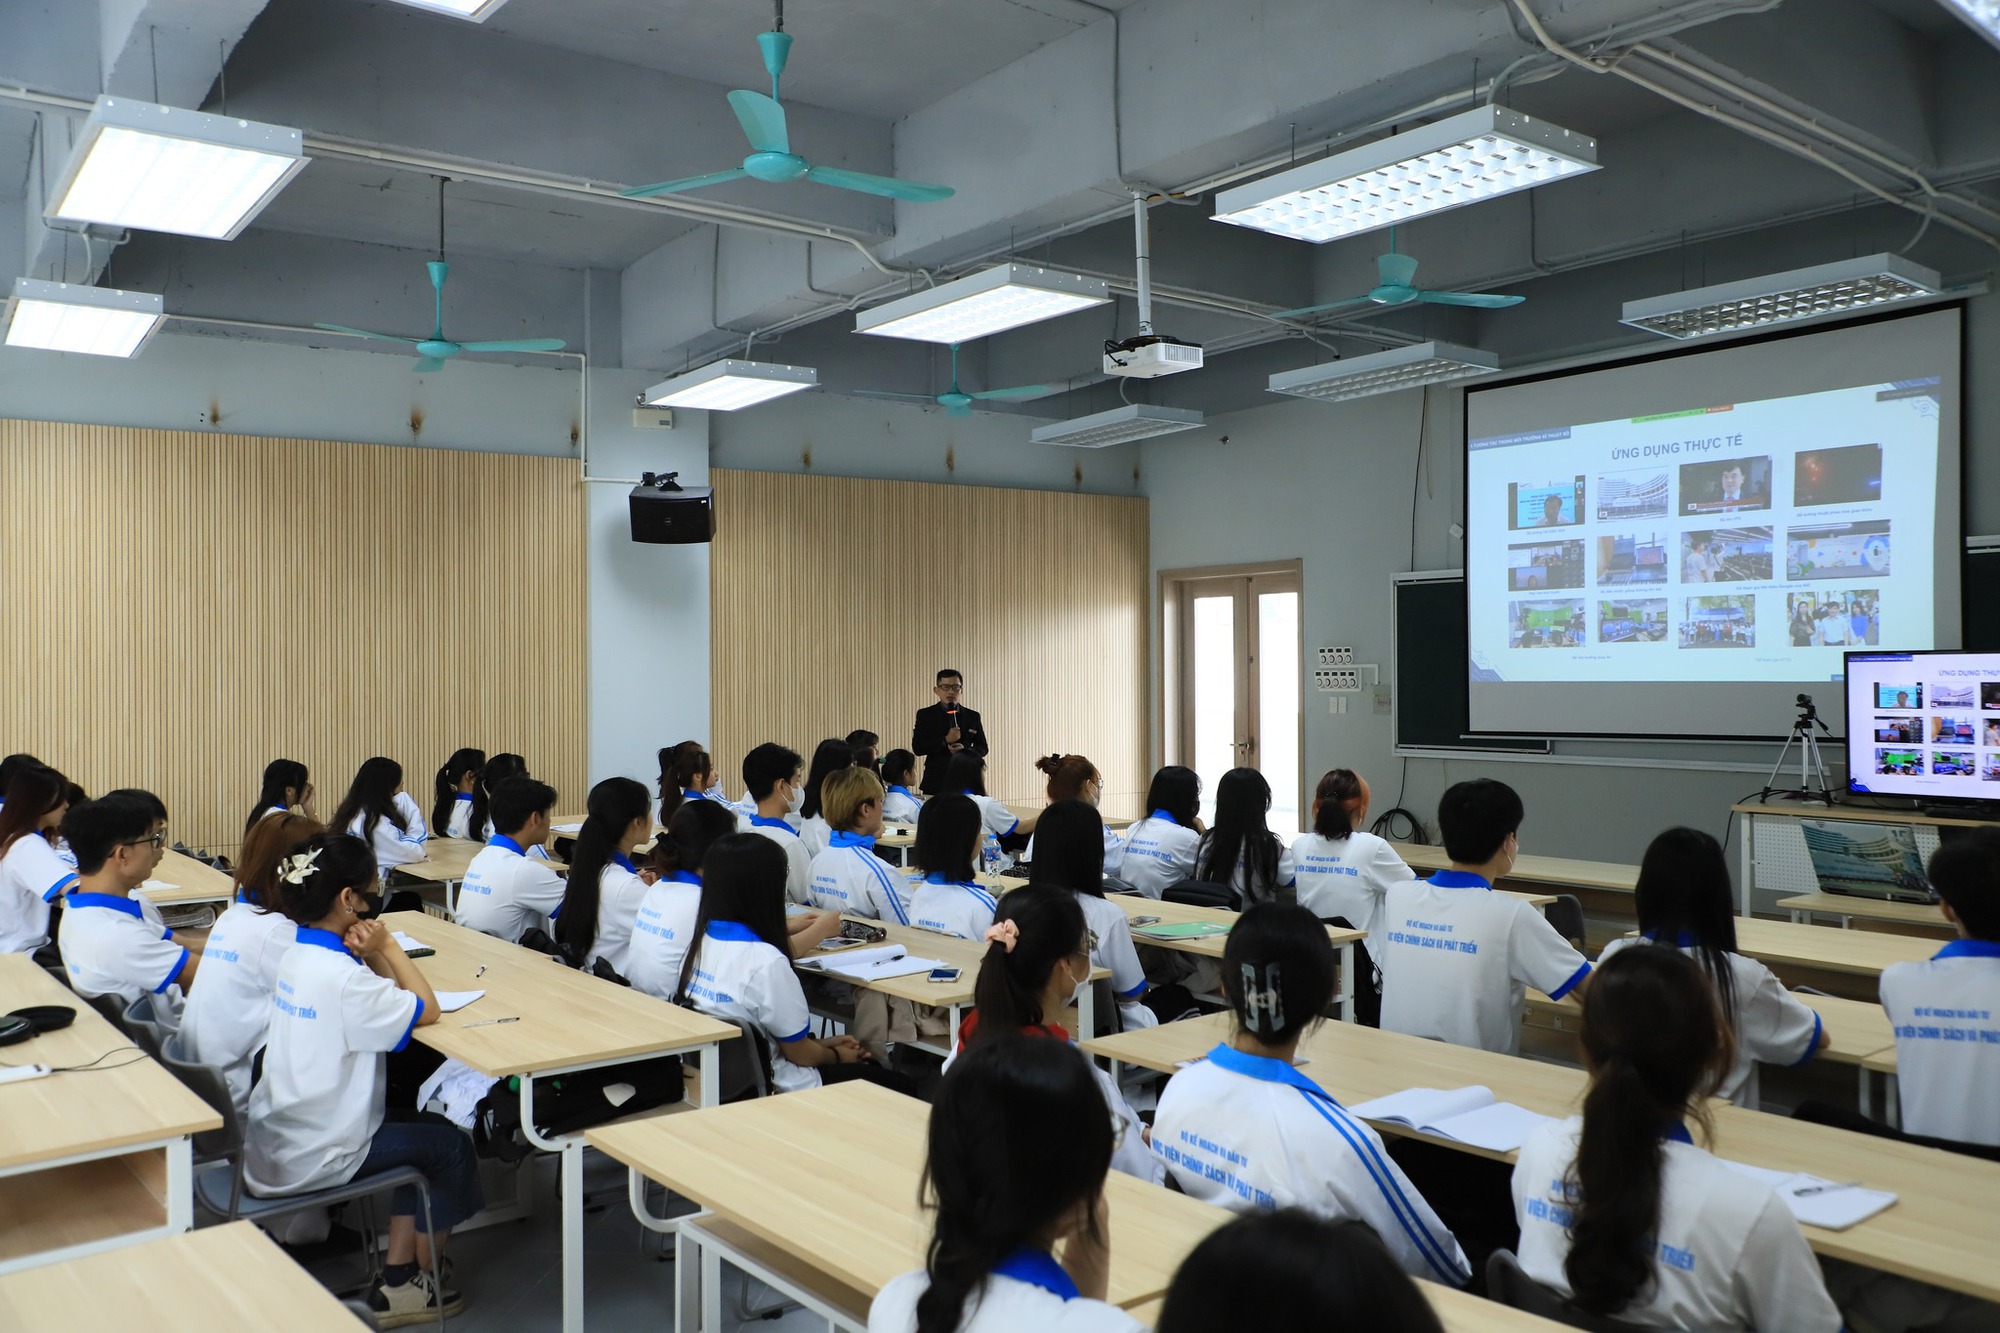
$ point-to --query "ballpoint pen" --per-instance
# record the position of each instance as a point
(488, 1022)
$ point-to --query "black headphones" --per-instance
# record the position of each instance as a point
(33, 1021)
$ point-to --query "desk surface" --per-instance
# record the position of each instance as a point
(227, 1279)
(1812, 810)
(765, 1166)
(1867, 909)
(182, 879)
(917, 988)
(1458, 1311)
(1860, 952)
(1856, 1030)
(567, 1018)
(1560, 871)
(1210, 946)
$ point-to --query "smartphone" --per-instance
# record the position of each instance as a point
(839, 942)
(944, 976)
(1145, 921)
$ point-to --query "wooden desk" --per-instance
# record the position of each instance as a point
(227, 1279)
(182, 881)
(89, 1159)
(1845, 908)
(1211, 946)
(1773, 855)
(1558, 871)
(570, 1021)
(1459, 1312)
(1847, 960)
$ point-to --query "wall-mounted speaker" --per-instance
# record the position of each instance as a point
(666, 513)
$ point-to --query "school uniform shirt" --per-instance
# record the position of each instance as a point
(901, 806)
(742, 812)
(816, 834)
(952, 907)
(661, 933)
(1729, 1253)
(333, 1022)
(1456, 959)
(996, 821)
(1286, 875)
(459, 825)
(1158, 852)
(736, 975)
(1114, 850)
(1253, 1134)
(849, 878)
(31, 877)
(1772, 1024)
(393, 846)
(1347, 877)
(1948, 1041)
(1029, 1290)
(620, 892)
(1130, 1153)
(1111, 947)
(119, 946)
(798, 861)
(505, 894)
(535, 853)
(229, 1013)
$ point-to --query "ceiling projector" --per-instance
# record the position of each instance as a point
(1149, 356)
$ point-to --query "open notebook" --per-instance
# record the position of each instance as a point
(1472, 1116)
(879, 963)
(1816, 1202)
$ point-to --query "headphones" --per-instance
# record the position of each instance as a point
(33, 1021)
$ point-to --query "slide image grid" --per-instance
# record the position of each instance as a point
(1624, 496)
(1547, 623)
(1899, 731)
(1905, 763)
(1850, 475)
(1835, 619)
(1631, 557)
(1989, 768)
(1725, 555)
(1640, 621)
(1952, 763)
(1538, 566)
(1950, 696)
(1989, 695)
(1726, 485)
(1838, 551)
(1899, 694)
(1719, 622)
(1544, 504)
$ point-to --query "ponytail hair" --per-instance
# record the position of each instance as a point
(680, 765)
(614, 803)
(463, 762)
(1339, 793)
(1069, 848)
(1068, 775)
(1684, 898)
(1240, 836)
(694, 828)
(1278, 971)
(1656, 1047)
(1011, 1100)
(371, 797)
(500, 768)
(278, 775)
(340, 861)
(1007, 997)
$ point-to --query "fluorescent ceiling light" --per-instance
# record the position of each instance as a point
(59, 317)
(725, 386)
(1001, 298)
(1981, 14)
(1779, 298)
(1385, 372)
(1478, 154)
(162, 168)
(1121, 425)
(476, 10)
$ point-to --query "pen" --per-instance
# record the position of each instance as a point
(480, 973)
(1827, 1188)
(488, 1022)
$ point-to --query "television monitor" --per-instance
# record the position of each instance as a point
(1924, 724)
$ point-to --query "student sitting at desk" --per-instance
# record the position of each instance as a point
(456, 808)
(829, 757)
(991, 1265)
(1344, 873)
(499, 769)
(866, 747)
(1071, 858)
(848, 876)
(948, 898)
(11, 765)
(112, 943)
(1246, 1128)
(1159, 849)
(1072, 777)
(772, 777)
(688, 773)
(605, 888)
(1456, 957)
(1684, 900)
(1621, 1212)
(286, 787)
(347, 995)
(966, 776)
(505, 893)
(32, 875)
(1241, 851)
(899, 771)
(378, 811)
(1290, 1272)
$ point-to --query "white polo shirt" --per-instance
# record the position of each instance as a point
(737, 975)
(1239, 879)
(1111, 946)
(1254, 1134)
(119, 946)
(535, 853)
(1772, 1024)
(315, 1111)
(393, 847)
(1730, 1254)
(460, 823)
(229, 1013)
(620, 891)
(1946, 1013)
(1029, 1290)
(32, 875)
(661, 933)
(505, 893)
(816, 833)
(848, 877)
(952, 907)
(1456, 959)
(798, 861)
(996, 821)
(1158, 852)
(901, 806)
(1347, 876)
(715, 794)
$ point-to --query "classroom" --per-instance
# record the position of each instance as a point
(953, 714)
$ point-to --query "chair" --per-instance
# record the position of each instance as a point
(1203, 893)
(140, 1021)
(1566, 915)
(1508, 1284)
(743, 1070)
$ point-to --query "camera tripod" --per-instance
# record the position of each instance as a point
(1811, 765)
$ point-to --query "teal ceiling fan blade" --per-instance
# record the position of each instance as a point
(516, 345)
(364, 333)
(1478, 300)
(763, 121)
(426, 364)
(1018, 391)
(884, 393)
(1305, 311)
(916, 192)
(686, 183)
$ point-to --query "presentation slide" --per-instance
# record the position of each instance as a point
(1924, 725)
(1679, 546)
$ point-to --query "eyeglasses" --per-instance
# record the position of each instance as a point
(158, 840)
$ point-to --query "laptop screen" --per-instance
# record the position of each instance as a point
(1873, 860)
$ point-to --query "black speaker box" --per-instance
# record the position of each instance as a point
(673, 518)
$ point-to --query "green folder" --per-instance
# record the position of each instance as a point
(1183, 930)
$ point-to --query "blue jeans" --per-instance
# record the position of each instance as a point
(439, 1149)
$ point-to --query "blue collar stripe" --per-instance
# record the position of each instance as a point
(1677, 1132)
(173, 974)
(110, 901)
(693, 795)
(1164, 818)
(894, 790)
(765, 821)
(624, 862)
(1970, 949)
(732, 930)
(1038, 1268)
(852, 840)
(685, 877)
(324, 939)
(465, 796)
(1459, 879)
(1575, 980)
(1812, 1046)
(1263, 1069)
(1682, 939)
(506, 843)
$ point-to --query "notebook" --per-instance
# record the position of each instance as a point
(1472, 1116)
(566, 828)
(451, 1001)
(1181, 930)
(879, 963)
(1829, 1204)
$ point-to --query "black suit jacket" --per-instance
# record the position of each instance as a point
(927, 740)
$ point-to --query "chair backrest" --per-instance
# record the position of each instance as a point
(1566, 915)
(1510, 1285)
(1203, 893)
(603, 971)
(140, 1024)
(1105, 1016)
(209, 1085)
(744, 1069)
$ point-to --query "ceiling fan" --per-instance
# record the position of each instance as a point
(1398, 287)
(955, 401)
(771, 157)
(434, 351)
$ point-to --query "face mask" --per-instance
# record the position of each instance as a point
(796, 800)
(1076, 993)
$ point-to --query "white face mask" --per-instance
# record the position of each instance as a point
(797, 799)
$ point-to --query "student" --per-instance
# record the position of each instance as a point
(499, 769)
(377, 810)
(899, 771)
(1241, 851)
(1290, 1272)
(286, 787)
(948, 898)
(966, 775)
(1159, 849)
(672, 903)
(1684, 901)
(1071, 834)
(1343, 874)
(11, 765)
(848, 876)
(829, 757)
(1245, 1128)
(1455, 956)
(1621, 1212)
(688, 773)
(32, 874)
(1072, 777)
(347, 995)
(605, 888)
(991, 1266)
(866, 746)
(505, 893)
(771, 778)
(228, 1015)
(112, 943)
(1949, 1067)
(456, 784)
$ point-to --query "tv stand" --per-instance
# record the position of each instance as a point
(1774, 863)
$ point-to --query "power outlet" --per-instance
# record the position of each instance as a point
(1333, 657)
(1337, 680)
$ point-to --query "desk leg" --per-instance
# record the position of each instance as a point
(1892, 1101)
(1346, 995)
(1086, 1014)
(710, 1090)
(180, 1185)
(685, 1313)
(571, 1153)
(711, 1289)
(1865, 1095)
(1745, 889)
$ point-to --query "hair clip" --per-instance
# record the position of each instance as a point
(297, 868)
(1005, 934)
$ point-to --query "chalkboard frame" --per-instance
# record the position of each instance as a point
(1428, 653)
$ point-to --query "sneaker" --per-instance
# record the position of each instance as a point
(413, 1302)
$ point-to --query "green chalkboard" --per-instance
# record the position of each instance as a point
(1429, 670)
(1979, 594)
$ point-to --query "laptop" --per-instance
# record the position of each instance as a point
(1867, 860)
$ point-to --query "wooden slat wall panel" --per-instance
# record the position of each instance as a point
(182, 607)
(836, 599)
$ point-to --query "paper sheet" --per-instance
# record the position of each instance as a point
(408, 942)
(566, 828)
(1814, 1203)
(451, 1001)
(882, 969)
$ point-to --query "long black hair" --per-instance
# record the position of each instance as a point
(463, 762)
(829, 756)
(1656, 1047)
(899, 767)
(613, 806)
(1338, 788)
(1010, 1101)
(742, 880)
(1290, 1272)
(680, 765)
(948, 829)
(279, 775)
(1239, 833)
(1176, 790)
(1684, 891)
(1069, 848)
(31, 793)
(500, 768)
(372, 796)
(1278, 971)
(1007, 996)
(694, 828)
(343, 862)
(966, 772)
